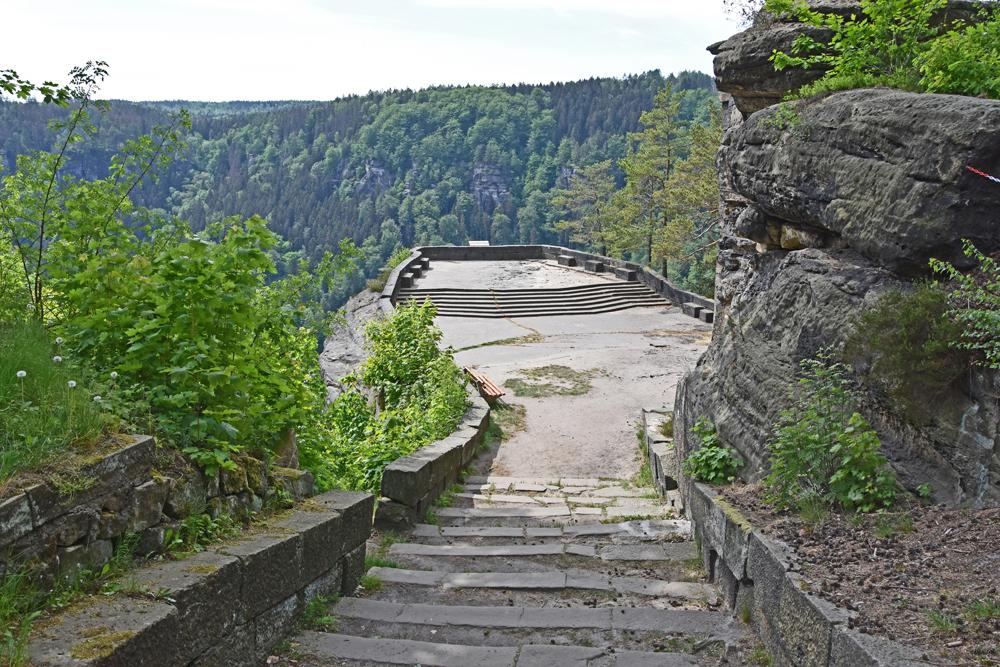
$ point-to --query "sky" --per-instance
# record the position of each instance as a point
(214, 50)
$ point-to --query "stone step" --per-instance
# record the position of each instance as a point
(393, 617)
(650, 530)
(502, 482)
(552, 581)
(678, 551)
(320, 648)
(520, 515)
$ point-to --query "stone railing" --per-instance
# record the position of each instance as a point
(758, 583)
(62, 526)
(228, 605)
(411, 484)
(696, 305)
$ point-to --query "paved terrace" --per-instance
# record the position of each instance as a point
(633, 358)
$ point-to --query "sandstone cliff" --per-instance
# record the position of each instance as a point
(826, 207)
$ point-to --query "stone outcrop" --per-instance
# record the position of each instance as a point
(829, 203)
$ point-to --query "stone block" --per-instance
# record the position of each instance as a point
(147, 505)
(356, 509)
(114, 631)
(152, 539)
(849, 648)
(425, 263)
(327, 585)
(296, 483)
(691, 309)
(79, 525)
(623, 273)
(566, 260)
(256, 475)
(205, 590)
(416, 270)
(271, 564)
(394, 516)
(407, 479)
(275, 623)
(353, 568)
(234, 481)
(188, 495)
(15, 519)
(323, 540)
(594, 265)
(234, 650)
(406, 280)
(707, 316)
(73, 560)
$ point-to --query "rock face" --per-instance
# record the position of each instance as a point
(825, 208)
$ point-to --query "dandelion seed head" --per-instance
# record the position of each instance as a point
(97, 399)
(114, 375)
(59, 341)
(57, 359)
(22, 374)
(71, 384)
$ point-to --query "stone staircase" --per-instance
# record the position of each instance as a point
(533, 573)
(575, 300)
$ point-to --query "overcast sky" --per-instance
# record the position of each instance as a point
(322, 49)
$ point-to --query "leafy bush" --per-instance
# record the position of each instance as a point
(964, 61)
(377, 284)
(824, 451)
(894, 43)
(909, 339)
(420, 397)
(975, 304)
(51, 407)
(711, 462)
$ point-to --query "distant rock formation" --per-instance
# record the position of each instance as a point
(824, 210)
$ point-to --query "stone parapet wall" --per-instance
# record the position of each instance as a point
(74, 521)
(758, 583)
(411, 484)
(228, 606)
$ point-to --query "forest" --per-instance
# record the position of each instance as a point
(513, 164)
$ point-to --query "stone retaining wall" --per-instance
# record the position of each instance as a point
(411, 484)
(757, 581)
(228, 606)
(63, 526)
(650, 278)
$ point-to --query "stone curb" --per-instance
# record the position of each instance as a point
(411, 484)
(225, 607)
(755, 576)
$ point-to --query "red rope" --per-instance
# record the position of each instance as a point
(977, 172)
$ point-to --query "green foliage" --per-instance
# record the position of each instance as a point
(895, 43)
(908, 343)
(20, 607)
(712, 462)
(370, 583)
(377, 284)
(420, 397)
(824, 451)
(975, 304)
(964, 61)
(941, 622)
(197, 531)
(51, 408)
(316, 615)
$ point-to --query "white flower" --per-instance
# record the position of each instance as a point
(59, 341)
(22, 374)
(114, 375)
(57, 359)
(71, 384)
(97, 399)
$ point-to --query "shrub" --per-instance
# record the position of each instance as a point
(909, 339)
(377, 284)
(824, 451)
(964, 61)
(422, 393)
(975, 304)
(894, 43)
(51, 407)
(711, 462)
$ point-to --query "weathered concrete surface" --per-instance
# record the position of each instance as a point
(634, 359)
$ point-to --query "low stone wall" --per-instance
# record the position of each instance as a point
(661, 455)
(650, 278)
(62, 526)
(411, 484)
(228, 606)
(757, 581)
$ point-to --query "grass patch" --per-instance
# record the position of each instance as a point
(317, 615)
(371, 583)
(431, 517)
(506, 419)
(758, 656)
(46, 404)
(941, 622)
(553, 380)
(528, 339)
(379, 561)
(983, 610)
(447, 499)
(888, 524)
(644, 477)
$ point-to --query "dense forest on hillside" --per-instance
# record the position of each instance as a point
(436, 166)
